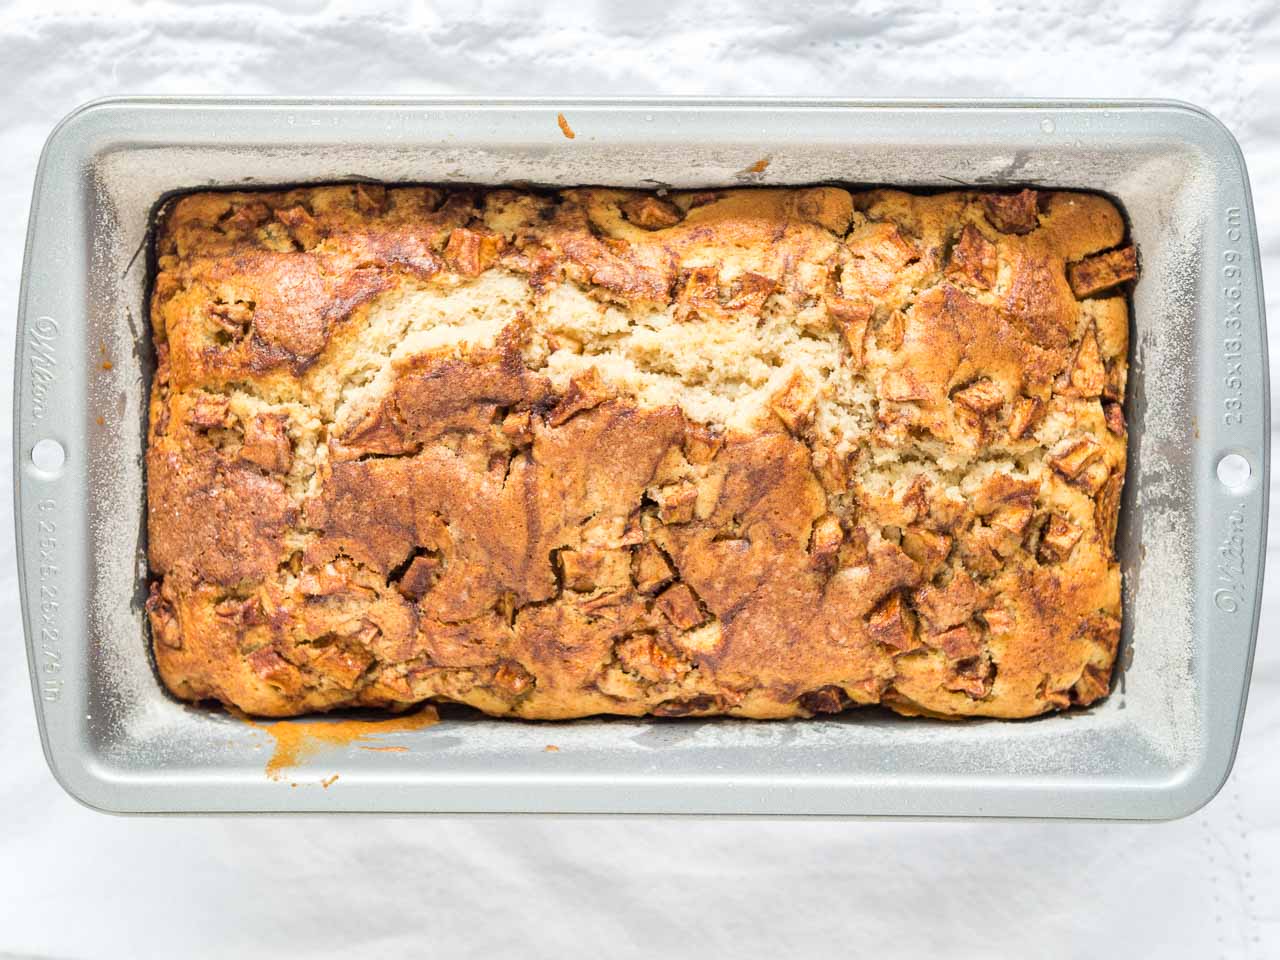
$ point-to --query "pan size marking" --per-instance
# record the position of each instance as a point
(1232, 321)
(50, 635)
(43, 357)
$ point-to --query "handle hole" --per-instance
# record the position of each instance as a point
(48, 456)
(1234, 471)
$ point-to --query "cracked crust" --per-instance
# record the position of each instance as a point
(767, 453)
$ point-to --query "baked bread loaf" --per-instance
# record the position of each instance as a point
(761, 452)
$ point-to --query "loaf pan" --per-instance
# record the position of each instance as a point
(1192, 537)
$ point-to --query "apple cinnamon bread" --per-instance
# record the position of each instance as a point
(761, 452)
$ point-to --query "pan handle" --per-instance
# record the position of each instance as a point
(1233, 455)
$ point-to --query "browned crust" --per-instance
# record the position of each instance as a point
(485, 533)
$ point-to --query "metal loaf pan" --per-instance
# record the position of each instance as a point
(1192, 545)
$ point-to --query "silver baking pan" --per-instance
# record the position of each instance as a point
(1193, 525)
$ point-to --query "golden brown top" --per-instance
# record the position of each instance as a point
(760, 452)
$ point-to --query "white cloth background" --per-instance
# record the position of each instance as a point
(75, 883)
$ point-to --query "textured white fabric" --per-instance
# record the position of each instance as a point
(79, 884)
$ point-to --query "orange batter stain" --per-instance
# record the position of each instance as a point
(297, 740)
(101, 421)
(328, 782)
(106, 364)
(551, 748)
(386, 749)
(760, 166)
(564, 126)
